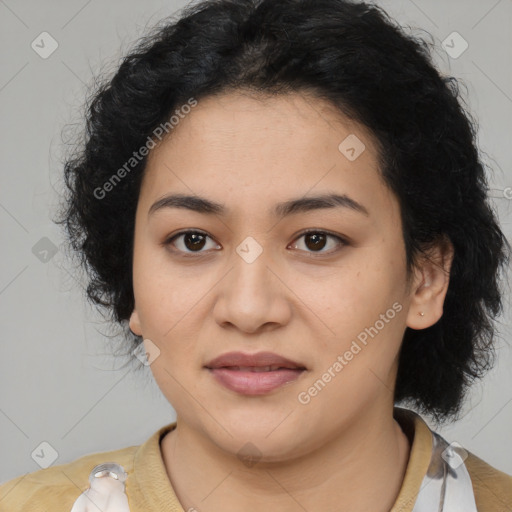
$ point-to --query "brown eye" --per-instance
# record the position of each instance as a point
(189, 241)
(194, 241)
(316, 241)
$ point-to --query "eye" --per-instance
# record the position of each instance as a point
(188, 241)
(315, 241)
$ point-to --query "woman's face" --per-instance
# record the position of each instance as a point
(334, 302)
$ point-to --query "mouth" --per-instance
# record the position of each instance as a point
(254, 374)
(257, 368)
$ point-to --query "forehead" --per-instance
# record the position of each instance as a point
(240, 119)
(253, 147)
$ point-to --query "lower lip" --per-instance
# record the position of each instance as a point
(254, 383)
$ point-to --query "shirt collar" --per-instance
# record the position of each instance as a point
(158, 495)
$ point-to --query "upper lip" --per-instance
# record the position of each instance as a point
(256, 360)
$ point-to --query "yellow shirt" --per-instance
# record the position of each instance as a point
(56, 488)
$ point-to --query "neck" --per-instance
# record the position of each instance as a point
(360, 469)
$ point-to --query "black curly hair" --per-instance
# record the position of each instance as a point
(360, 60)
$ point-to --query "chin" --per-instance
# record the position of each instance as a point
(261, 442)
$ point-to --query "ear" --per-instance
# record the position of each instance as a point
(430, 285)
(134, 323)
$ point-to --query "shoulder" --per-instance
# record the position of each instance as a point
(56, 488)
(492, 488)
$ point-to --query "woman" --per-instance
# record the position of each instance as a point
(284, 205)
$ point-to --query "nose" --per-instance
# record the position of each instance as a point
(253, 297)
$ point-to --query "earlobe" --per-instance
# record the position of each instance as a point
(430, 286)
(134, 323)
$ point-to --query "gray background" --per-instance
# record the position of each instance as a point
(57, 382)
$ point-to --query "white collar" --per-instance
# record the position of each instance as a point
(447, 485)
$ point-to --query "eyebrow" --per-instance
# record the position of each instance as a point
(293, 206)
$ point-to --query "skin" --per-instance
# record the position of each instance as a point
(307, 304)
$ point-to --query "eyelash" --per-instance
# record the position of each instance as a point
(191, 254)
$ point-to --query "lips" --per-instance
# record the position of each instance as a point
(255, 368)
(261, 361)
(254, 374)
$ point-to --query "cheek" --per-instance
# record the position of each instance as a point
(362, 302)
(171, 377)
(168, 306)
(163, 295)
